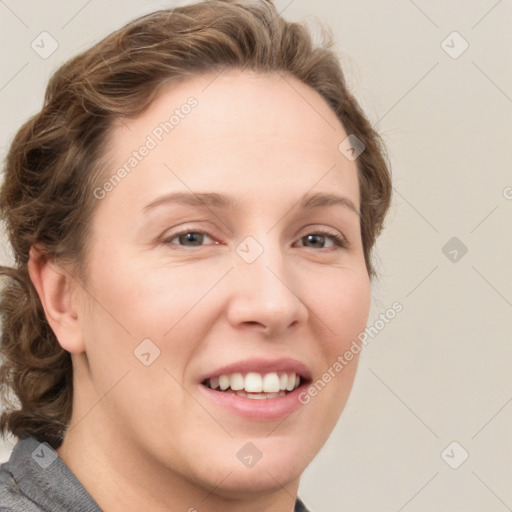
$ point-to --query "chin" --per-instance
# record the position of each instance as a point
(259, 465)
(261, 479)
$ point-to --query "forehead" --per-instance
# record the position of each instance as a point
(232, 95)
(233, 130)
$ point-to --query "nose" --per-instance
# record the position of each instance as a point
(267, 293)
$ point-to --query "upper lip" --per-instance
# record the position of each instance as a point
(261, 366)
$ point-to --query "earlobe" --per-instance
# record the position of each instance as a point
(54, 286)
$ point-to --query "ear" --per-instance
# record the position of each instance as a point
(55, 286)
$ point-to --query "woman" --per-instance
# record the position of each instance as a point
(192, 214)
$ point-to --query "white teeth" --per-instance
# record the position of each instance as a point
(237, 382)
(259, 396)
(275, 395)
(271, 383)
(224, 382)
(256, 396)
(268, 385)
(253, 383)
(291, 382)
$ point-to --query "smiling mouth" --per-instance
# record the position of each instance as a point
(255, 385)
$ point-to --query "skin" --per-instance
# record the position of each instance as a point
(144, 437)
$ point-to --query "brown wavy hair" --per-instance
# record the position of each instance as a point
(55, 161)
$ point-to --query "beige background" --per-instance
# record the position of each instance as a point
(440, 371)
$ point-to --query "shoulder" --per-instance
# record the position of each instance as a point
(35, 479)
(12, 497)
(299, 506)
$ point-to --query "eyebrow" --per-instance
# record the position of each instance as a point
(310, 201)
(219, 201)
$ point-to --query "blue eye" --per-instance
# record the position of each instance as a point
(318, 239)
(188, 238)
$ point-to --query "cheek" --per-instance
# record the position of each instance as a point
(342, 309)
(147, 299)
(341, 304)
(133, 302)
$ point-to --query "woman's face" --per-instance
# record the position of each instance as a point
(221, 257)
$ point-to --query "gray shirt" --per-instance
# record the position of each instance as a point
(36, 479)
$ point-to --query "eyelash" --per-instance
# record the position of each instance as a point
(339, 241)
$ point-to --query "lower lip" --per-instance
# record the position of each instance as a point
(269, 409)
